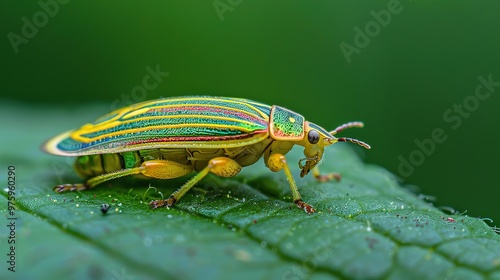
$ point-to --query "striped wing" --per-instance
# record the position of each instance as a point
(179, 122)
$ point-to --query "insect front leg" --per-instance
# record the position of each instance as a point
(276, 162)
(220, 166)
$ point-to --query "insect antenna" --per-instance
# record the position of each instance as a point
(345, 126)
(355, 141)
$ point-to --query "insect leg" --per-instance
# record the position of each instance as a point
(161, 169)
(92, 182)
(325, 177)
(220, 166)
(276, 162)
(164, 169)
(70, 187)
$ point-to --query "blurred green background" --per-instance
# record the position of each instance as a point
(400, 75)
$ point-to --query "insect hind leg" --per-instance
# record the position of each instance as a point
(160, 169)
(94, 181)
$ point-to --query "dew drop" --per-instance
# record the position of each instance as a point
(147, 242)
(242, 255)
(158, 239)
(180, 238)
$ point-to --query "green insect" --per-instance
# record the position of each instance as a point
(171, 137)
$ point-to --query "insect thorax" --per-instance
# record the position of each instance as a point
(286, 125)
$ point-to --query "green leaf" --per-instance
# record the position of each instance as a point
(367, 226)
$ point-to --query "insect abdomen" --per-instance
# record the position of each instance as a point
(180, 122)
(94, 165)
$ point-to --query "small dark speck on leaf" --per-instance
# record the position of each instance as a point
(95, 272)
(371, 242)
(105, 208)
(191, 252)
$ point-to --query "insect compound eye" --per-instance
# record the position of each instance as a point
(313, 137)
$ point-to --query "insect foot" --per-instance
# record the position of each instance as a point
(306, 207)
(69, 188)
(328, 177)
(169, 202)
